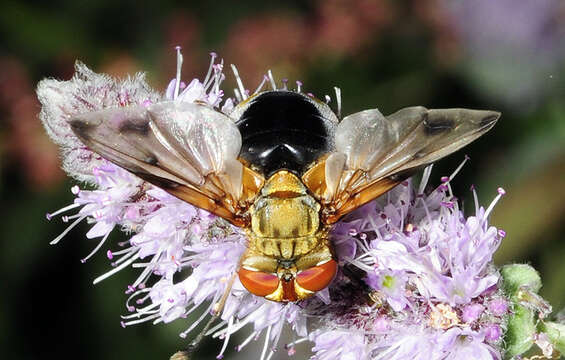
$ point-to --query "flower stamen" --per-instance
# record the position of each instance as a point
(242, 95)
(272, 79)
(179, 68)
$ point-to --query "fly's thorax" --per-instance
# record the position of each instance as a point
(285, 219)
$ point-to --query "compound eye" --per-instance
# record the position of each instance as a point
(318, 277)
(258, 282)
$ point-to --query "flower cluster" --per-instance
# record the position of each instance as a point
(416, 278)
(428, 274)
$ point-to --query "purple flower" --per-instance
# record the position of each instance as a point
(85, 92)
(432, 266)
(472, 312)
(107, 206)
(407, 342)
(460, 343)
(443, 254)
(338, 345)
(392, 284)
(498, 306)
(493, 332)
(416, 275)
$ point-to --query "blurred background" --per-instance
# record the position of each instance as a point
(503, 55)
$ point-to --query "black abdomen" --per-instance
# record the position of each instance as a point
(283, 130)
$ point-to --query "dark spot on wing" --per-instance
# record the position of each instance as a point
(151, 160)
(437, 124)
(135, 126)
(80, 128)
(156, 180)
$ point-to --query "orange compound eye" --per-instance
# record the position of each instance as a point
(258, 282)
(318, 277)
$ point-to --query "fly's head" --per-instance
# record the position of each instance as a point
(288, 279)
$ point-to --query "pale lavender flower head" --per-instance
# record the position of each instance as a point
(87, 91)
(416, 278)
(430, 276)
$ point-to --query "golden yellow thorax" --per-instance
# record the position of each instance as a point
(284, 218)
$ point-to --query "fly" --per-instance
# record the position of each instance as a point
(281, 166)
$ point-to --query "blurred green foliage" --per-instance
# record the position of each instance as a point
(381, 53)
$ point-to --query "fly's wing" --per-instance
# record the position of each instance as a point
(188, 150)
(374, 153)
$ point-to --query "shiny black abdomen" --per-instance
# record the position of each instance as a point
(283, 130)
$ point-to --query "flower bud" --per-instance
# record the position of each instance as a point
(518, 276)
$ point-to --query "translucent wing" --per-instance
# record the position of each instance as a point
(189, 150)
(374, 153)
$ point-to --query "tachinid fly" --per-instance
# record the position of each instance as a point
(282, 166)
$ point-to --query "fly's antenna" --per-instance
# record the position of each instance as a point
(216, 311)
